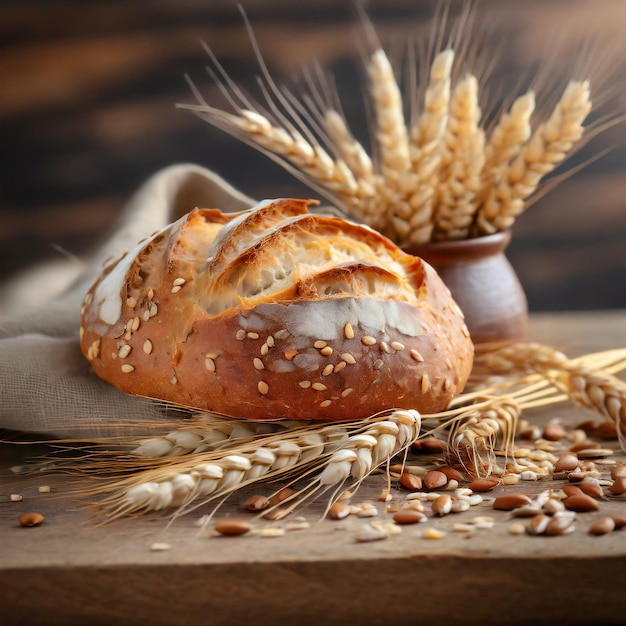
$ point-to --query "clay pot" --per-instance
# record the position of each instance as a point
(483, 283)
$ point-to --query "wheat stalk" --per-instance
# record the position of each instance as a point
(547, 148)
(461, 164)
(340, 452)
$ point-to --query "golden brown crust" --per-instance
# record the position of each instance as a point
(276, 313)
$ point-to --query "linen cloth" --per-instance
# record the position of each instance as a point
(46, 385)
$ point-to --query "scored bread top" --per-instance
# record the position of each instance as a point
(276, 313)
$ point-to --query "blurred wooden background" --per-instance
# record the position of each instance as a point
(87, 112)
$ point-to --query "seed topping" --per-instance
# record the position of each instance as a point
(319, 386)
(127, 368)
(258, 364)
(348, 331)
(416, 356)
(368, 340)
(263, 387)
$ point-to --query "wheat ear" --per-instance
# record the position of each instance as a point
(392, 137)
(426, 137)
(547, 148)
(461, 164)
(477, 433)
(595, 389)
(339, 452)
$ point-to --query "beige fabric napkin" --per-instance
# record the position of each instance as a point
(46, 385)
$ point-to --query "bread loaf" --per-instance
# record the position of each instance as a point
(276, 313)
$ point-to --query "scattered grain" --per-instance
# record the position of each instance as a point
(433, 533)
(581, 503)
(482, 484)
(256, 503)
(232, 527)
(271, 532)
(410, 481)
(602, 526)
(409, 516)
(511, 501)
(28, 520)
(158, 546)
(434, 479)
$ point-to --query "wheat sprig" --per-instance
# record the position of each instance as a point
(547, 148)
(475, 436)
(339, 452)
(507, 138)
(596, 389)
(426, 138)
(461, 164)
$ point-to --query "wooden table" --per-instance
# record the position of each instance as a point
(70, 570)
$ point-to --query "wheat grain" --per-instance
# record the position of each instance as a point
(547, 148)
(461, 165)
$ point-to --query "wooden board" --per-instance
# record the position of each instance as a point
(70, 570)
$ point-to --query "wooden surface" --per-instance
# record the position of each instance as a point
(87, 112)
(71, 571)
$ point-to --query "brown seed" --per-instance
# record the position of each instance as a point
(566, 463)
(231, 527)
(603, 526)
(572, 490)
(606, 430)
(619, 471)
(451, 473)
(30, 519)
(581, 504)
(618, 487)
(620, 521)
(256, 503)
(339, 510)
(281, 496)
(429, 444)
(554, 432)
(511, 501)
(434, 479)
(408, 516)
(559, 526)
(578, 477)
(410, 481)
(583, 445)
(442, 505)
(482, 484)
(594, 453)
(591, 489)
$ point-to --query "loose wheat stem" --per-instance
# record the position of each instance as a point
(547, 148)
(207, 476)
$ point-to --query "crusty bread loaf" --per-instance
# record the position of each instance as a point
(276, 313)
